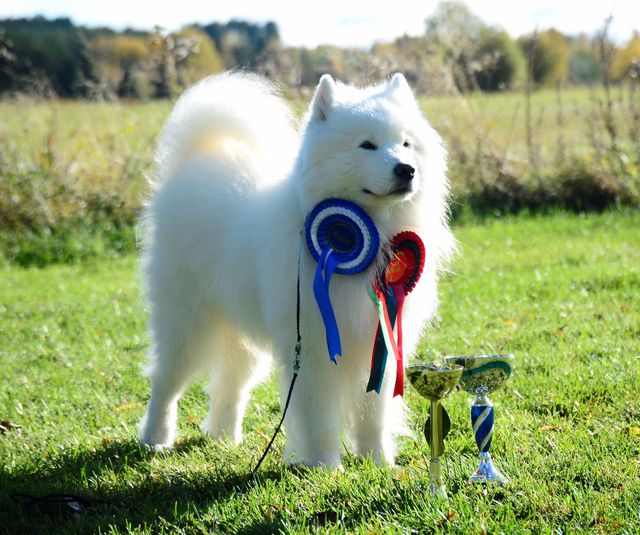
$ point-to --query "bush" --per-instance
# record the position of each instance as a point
(582, 188)
(45, 220)
(484, 183)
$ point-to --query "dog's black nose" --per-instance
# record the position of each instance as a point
(404, 172)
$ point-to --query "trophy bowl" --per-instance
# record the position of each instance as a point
(432, 381)
(482, 375)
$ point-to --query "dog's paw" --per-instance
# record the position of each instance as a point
(231, 432)
(158, 434)
(222, 436)
(303, 466)
(158, 448)
(332, 463)
(380, 455)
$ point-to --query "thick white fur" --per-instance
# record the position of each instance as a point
(233, 184)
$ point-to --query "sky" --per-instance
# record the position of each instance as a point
(357, 23)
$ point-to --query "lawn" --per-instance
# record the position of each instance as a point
(561, 292)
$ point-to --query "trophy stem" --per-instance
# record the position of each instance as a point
(436, 484)
(482, 421)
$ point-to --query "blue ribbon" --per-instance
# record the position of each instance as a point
(342, 238)
(327, 264)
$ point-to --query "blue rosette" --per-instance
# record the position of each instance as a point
(342, 238)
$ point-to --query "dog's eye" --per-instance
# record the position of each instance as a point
(367, 145)
(406, 144)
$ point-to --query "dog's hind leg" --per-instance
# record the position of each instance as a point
(176, 360)
(237, 369)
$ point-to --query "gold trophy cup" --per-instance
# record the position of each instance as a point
(435, 382)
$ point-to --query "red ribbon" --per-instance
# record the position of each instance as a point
(400, 276)
(398, 292)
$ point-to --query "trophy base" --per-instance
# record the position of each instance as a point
(436, 485)
(437, 490)
(486, 473)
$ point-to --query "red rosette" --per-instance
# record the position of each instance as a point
(406, 261)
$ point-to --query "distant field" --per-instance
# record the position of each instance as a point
(500, 118)
(102, 145)
(101, 140)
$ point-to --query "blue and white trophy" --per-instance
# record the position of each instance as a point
(481, 375)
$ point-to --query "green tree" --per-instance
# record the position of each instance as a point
(123, 60)
(500, 61)
(44, 49)
(130, 53)
(87, 82)
(7, 61)
(243, 43)
(583, 64)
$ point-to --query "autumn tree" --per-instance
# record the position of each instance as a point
(626, 61)
(202, 60)
(548, 55)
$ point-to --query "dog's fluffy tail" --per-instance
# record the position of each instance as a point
(237, 115)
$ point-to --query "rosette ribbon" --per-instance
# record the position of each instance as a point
(388, 292)
(343, 239)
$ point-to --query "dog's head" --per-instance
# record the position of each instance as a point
(370, 145)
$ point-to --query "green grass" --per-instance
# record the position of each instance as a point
(561, 292)
(72, 177)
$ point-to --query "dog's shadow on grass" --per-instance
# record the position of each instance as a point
(121, 484)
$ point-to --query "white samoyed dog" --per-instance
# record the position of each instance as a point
(234, 181)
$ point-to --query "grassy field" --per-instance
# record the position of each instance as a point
(116, 139)
(561, 292)
(501, 119)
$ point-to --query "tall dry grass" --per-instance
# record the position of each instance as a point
(72, 173)
(575, 149)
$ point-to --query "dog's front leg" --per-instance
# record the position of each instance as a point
(373, 429)
(314, 419)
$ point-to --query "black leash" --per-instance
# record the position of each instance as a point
(296, 367)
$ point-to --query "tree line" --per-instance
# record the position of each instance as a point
(457, 52)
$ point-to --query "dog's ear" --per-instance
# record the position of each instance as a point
(323, 98)
(399, 87)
